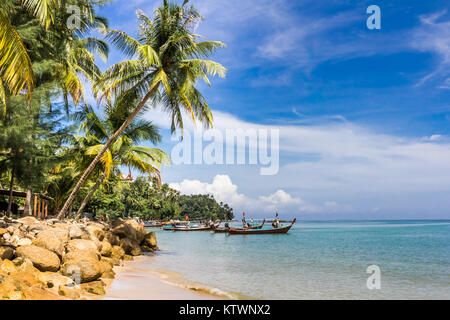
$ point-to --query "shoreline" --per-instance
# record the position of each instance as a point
(135, 282)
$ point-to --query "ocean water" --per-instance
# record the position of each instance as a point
(315, 260)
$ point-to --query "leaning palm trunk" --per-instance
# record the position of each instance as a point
(11, 185)
(89, 196)
(111, 140)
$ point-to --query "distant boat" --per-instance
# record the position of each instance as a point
(153, 225)
(186, 228)
(263, 231)
(225, 230)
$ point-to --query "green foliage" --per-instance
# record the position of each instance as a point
(147, 199)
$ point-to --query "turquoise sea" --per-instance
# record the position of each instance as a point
(315, 260)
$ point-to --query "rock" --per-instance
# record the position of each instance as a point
(28, 220)
(24, 242)
(106, 249)
(130, 247)
(127, 257)
(55, 280)
(82, 270)
(97, 225)
(147, 249)
(6, 252)
(52, 239)
(37, 227)
(82, 245)
(7, 267)
(94, 287)
(43, 259)
(13, 295)
(112, 239)
(6, 236)
(3, 231)
(129, 229)
(107, 270)
(71, 291)
(117, 253)
(75, 232)
(150, 240)
(95, 232)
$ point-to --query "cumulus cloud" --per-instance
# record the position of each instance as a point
(223, 189)
(335, 167)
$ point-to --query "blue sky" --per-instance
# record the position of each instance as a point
(363, 114)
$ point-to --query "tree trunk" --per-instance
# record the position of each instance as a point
(11, 185)
(111, 140)
(27, 208)
(89, 196)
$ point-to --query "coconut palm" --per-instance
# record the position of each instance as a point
(16, 70)
(124, 151)
(167, 60)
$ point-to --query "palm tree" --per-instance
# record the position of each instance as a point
(167, 61)
(16, 71)
(124, 150)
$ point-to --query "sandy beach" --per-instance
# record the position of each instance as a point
(134, 282)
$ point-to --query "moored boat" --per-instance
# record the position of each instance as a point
(202, 228)
(263, 231)
(153, 225)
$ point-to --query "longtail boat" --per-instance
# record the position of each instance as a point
(225, 230)
(263, 231)
(153, 225)
(203, 228)
(221, 230)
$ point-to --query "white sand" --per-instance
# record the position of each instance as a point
(133, 282)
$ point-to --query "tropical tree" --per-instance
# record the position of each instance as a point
(124, 151)
(71, 46)
(167, 60)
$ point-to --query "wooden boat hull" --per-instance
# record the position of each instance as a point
(252, 228)
(263, 231)
(153, 225)
(188, 229)
(220, 230)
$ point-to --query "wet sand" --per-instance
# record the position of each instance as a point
(133, 282)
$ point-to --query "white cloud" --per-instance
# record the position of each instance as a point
(335, 167)
(223, 189)
(433, 35)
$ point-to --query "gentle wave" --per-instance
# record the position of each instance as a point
(177, 279)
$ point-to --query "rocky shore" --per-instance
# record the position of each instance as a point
(53, 259)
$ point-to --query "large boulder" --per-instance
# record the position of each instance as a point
(106, 249)
(6, 252)
(95, 232)
(55, 280)
(53, 239)
(75, 232)
(129, 229)
(28, 220)
(112, 239)
(43, 259)
(150, 240)
(94, 287)
(83, 269)
(82, 245)
(37, 227)
(130, 247)
(117, 253)
(69, 291)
